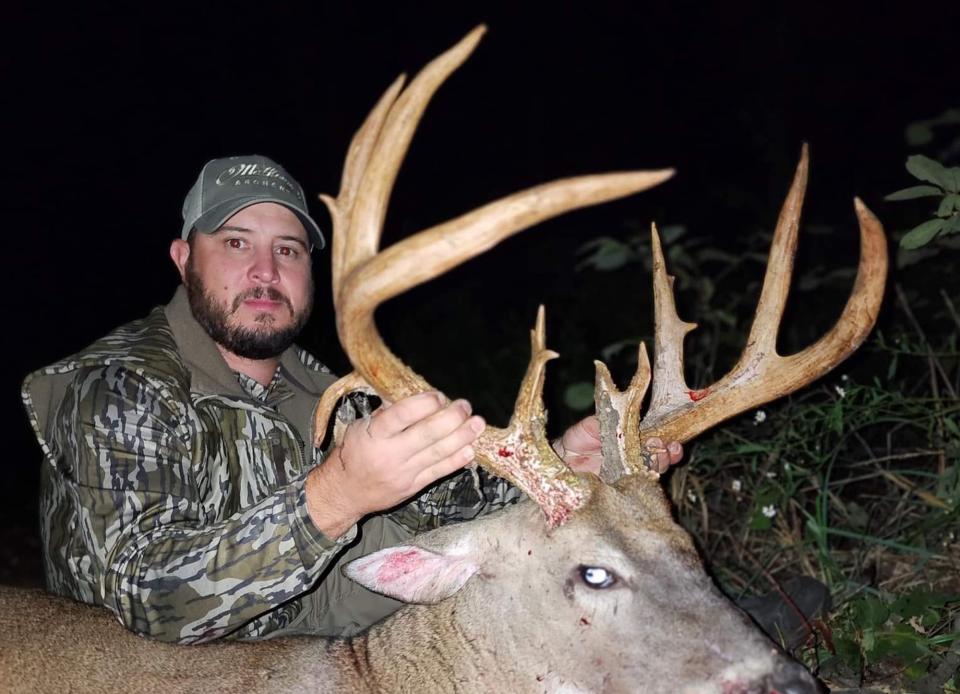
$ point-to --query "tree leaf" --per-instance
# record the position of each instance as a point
(918, 134)
(848, 651)
(922, 234)
(952, 225)
(902, 643)
(672, 232)
(930, 170)
(758, 521)
(870, 612)
(914, 192)
(919, 600)
(912, 256)
(605, 254)
(949, 203)
(579, 396)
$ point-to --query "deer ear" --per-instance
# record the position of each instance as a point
(412, 574)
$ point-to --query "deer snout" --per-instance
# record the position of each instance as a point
(791, 678)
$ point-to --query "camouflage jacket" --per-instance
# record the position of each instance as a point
(172, 487)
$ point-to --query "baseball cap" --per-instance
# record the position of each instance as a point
(225, 186)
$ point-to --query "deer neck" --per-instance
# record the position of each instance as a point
(423, 648)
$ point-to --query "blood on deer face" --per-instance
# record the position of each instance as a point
(616, 599)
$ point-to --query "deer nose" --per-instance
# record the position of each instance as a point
(792, 678)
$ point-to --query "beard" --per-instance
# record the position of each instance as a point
(262, 342)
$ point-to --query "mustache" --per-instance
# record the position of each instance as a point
(261, 293)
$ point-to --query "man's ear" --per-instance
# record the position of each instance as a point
(179, 253)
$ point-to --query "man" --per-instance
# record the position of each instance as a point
(181, 489)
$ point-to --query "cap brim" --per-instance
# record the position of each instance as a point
(215, 217)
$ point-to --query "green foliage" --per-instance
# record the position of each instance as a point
(579, 396)
(920, 133)
(910, 631)
(945, 185)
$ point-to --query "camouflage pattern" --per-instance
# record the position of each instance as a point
(172, 488)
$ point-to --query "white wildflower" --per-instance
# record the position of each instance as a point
(771, 475)
(769, 511)
(692, 496)
(736, 486)
(786, 467)
(759, 417)
(840, 391)
(844, 378)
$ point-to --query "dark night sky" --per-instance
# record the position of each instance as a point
(112, 111)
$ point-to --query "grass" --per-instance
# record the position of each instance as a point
(857, 484)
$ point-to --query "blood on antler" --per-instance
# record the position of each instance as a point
(364, 277)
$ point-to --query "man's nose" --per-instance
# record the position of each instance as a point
(264, 267)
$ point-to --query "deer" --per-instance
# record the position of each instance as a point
(588, 584)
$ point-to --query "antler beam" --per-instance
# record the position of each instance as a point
(365, 277)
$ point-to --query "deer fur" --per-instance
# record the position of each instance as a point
(500, 606)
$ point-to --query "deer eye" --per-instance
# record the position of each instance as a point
(597, 577)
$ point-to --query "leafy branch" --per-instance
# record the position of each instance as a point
(941, 182)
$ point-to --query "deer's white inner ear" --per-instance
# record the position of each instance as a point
(412, 574)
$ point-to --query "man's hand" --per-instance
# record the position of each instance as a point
(389, 457)
(580, 448)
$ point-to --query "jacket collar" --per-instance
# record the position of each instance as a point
(209, 373)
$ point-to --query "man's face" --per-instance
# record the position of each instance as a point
(249, 283)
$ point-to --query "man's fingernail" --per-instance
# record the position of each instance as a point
(465, 406)
(477, 425)
(468, 453)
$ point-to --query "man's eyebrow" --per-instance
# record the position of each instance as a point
(295, 239)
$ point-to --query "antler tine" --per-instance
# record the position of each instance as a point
(393, 140)
(360, 244)
(677, 413)
(373, 160)
(522, 453)
(619, 416)
(776, 280)
(669, 383)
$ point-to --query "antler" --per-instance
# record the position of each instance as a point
(678, 413)
(363, 278)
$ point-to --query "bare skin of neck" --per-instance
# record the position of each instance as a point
(260, 370)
